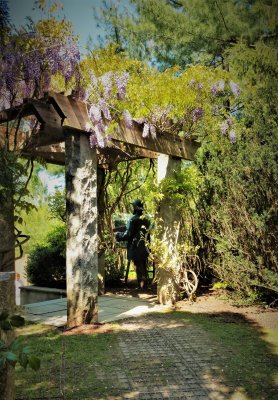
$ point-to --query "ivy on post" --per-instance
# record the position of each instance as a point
(82, 246)
(169, 231)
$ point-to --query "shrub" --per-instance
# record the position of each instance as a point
(114, 266)
(47, 262)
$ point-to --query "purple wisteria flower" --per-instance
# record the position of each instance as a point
(200, 86)
(93, 78)
(214, 110)
(107, 84)
(108, 141)
(197, 114)
(224, 127)
(214, 90)
(94, 114)
(230, 121)
(192, 83)
(88, 127)
(232, 136)
(82, 94)
(105, 109)
(146, 130)
(100, 131)
(127, 119)
(221, 85)
(26, 69)
(153, 131)
(93, 140)
(234, 88)
(139, 120)
(121, 83)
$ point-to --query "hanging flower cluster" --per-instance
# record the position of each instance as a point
(118, 90)
(28, 64)
(105, 88)
(226, 130)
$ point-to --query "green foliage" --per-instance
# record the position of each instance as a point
(57, 205)
(13, 182)
(220, 285)
(114, 267)
(15, 352)
(181, 187)
(171, 33)
(47, 262)
(230, 218)
(37, 224)
(169, 100)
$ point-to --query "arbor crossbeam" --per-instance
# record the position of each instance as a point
(58, 114)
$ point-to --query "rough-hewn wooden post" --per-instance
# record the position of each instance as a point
(169, 222)
(7, 290)
(82, 247)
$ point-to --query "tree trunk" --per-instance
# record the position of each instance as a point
(82, 241)
(7, 291)
(169, 219)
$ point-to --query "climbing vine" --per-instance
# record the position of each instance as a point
(194, 103)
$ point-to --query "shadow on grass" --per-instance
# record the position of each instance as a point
(174, 355)
(244, 359)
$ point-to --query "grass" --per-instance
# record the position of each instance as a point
(252, 353)
(93, 367)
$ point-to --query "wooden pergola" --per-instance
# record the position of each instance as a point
(63, 139)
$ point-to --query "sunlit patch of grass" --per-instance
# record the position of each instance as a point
(34, 329)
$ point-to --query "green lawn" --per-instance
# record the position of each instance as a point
(90, 366)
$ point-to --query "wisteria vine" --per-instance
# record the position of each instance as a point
(28, 64)
(104, 91)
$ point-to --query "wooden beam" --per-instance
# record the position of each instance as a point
(73, 112)
(164, 143)
(53, 154)
(58, 113)
(77, 117)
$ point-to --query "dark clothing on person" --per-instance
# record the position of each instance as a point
(137, 237)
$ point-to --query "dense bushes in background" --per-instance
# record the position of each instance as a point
(47, 262)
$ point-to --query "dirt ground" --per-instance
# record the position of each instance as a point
(210, 302)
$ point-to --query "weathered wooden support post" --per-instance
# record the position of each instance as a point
(82, 243)
(169, 229)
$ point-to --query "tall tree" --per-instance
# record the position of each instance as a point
(170, 32)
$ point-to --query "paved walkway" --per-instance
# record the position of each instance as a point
(111, 308)
(154, 357)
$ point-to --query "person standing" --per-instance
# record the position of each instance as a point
(137, 237)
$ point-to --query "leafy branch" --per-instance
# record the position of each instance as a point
(15, 352)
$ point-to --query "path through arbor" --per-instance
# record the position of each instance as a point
(62, 137)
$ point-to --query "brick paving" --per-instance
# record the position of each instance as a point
(153, 357)
(164, 358)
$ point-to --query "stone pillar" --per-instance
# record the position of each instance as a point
(82, 248)
(101, 248)
(169, 229)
